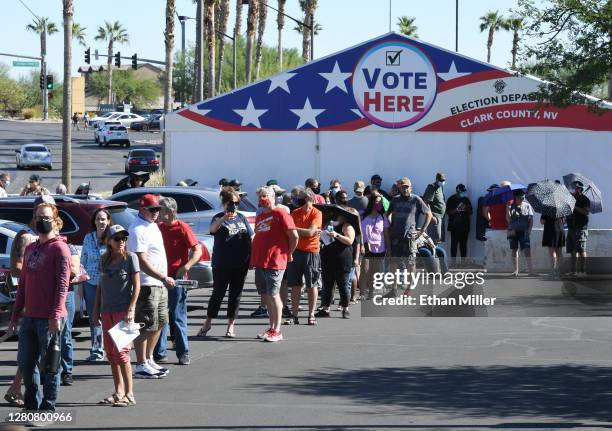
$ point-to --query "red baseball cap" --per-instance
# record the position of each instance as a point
(149, 201)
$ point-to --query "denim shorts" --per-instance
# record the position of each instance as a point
(305, 268)
(268, 281)
(520, 238)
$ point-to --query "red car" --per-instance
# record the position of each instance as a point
(75, 212)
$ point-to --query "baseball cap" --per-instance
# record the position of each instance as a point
(493, 187)
(44, 199)
(578, 184)
(359, 186)
(35, 177)
(461, 188)
(272, 183)
(376, 177)
(440, 176)
(115, 229)
(149, 201)
(235, 183)
(277, 190)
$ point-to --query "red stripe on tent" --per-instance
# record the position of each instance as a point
(522, 115)
(472, 78)
(229, 127)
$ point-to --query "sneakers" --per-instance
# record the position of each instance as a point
(261, 311)
(322, 313)
(185, 359)
(262, 335)
(287, 314)
(95, 358)
(145, 371)
(67, 379)
(273, 336)
(346, 314)
(157, 368)
(161, 359)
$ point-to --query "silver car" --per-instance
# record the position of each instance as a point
(33, 155)
(196, 205)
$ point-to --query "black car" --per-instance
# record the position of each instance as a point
(151, 123)
(141, 160)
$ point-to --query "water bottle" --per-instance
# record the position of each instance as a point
(97, 338)
(53, 355)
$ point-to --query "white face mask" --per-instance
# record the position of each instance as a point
(335, 223)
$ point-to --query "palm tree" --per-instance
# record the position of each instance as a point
(211, 42)
(280, 23)
(69, 27)
(238, 24)
(309, 7)
(407, 27)
(222, 20)
(261, 28)
(492, 21)
(112, 32)
(169, 36)
(251, 25)
(515, 24)
(42, 26)
(78, 33)
(198, 63)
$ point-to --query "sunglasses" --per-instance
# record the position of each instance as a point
(119, 238)
(44, 218)
(153, 209)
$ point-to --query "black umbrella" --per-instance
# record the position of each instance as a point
(331, 212)
(550, 199)
(590, 190)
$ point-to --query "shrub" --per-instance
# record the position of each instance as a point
(28, 113)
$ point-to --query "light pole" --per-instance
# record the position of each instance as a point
(297, 21)
(456, 25)
(182, 19)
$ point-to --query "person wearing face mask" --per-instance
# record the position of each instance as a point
(5, 181)
(375, 233)
(459, 211)
(353, 279)
(334, 187)
(359, 201)
(40, 303)
(434, 197)
(314, 185)
(94, 246)
(230, 260)
(578, 231)
(376, 184)
(305, 268)
(519, 216)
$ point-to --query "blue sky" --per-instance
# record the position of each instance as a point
(345, 23)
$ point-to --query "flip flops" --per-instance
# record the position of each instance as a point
(126, 401)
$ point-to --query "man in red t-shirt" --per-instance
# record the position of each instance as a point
(183, 250)
(273, 245)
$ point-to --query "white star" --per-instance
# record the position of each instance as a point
(250, 115)
(452, 73)
(357, 112)
(336, 78)
(204, 111)
(307, 115)
(280, 81)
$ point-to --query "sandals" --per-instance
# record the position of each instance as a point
(110, 400)
(15, 399)
(230, 334)
(312, 321)
(292, 321)
(202, 332)
(126, 401)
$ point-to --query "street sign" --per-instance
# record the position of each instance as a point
(26, 64)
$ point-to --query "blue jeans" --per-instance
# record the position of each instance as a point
(66, 339)
(34, 339)
(177, 310)
(89, 292)
(430, 262)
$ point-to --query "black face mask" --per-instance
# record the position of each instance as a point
(231, 207)
(44, 227)
(298, 202)
(316, 189)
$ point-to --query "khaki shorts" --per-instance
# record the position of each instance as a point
(152, 307)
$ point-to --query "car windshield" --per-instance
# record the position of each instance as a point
(142, 153)
(123, 216)
(16, 227)
(36, 149)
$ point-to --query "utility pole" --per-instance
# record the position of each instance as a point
(43, 71)
(456, 25)
(184, 74)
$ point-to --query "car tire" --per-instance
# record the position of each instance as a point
(145, 128)
(128, 145)
(50, 167)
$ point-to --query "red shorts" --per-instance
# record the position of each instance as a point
(114, 355)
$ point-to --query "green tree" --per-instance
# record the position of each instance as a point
(169, 44)
(280, 24)
(515, 25)
(261, 28)
(42, 26)
(407, 26)
(112, 33)
(492, 21)
(11, 95)
(221, 20)
(573, 51)
(79, 34)
(128, 88)
(252, 15)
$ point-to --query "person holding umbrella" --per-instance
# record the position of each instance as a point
(519, 216)
(578, 230)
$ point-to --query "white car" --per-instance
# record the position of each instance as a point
(98, 132)
(33, 155)
(101, 118)
(114, 135)
(127, 119)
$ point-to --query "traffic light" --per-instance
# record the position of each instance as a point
(42, 81)
(49, 82)
(50, 95)
(118, 59)
(87, 56)
(135, 61)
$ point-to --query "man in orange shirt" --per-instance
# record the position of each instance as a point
(306, 264)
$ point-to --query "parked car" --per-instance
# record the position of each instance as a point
(127, 119)
(101, 118)
(75, 213)
(98, 131)
(141, 160)
(8, 231)
(114, 135)
(33, 155)
(196, 205)
(153, 122)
